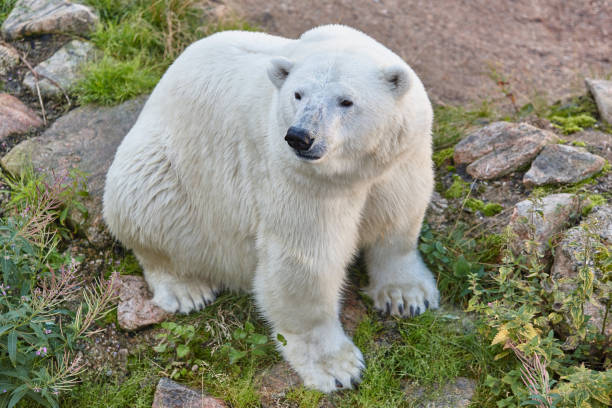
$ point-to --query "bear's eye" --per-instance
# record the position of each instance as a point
(297, 95)
(346, 103)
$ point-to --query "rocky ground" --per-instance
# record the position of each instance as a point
(546, 46)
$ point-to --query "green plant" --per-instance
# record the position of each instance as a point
(248, 342)
(28, 190)
(542, 326)
(443, 155)
(177, 338)
(458, 188)
(38, 331)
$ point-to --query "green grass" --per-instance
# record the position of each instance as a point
(109, 81)
(138, 40)
(134, 391)
(451, 123)
(5, 8)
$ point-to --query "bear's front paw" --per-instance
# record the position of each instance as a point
(407, 300)
(324, 369)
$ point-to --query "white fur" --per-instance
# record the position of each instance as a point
(209, 196)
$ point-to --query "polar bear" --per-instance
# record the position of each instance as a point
(261, 163)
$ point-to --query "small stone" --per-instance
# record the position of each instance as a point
(602, 92)
(454, 394)
(170, 394)
(63, 67)
(34, 17)
(438, 204)
(275, 382)
(595, 230)
(500, 148)
(15, 117)
(85, 138)
(539, 220)
(135, 309)
(561, 164)
(8, 59)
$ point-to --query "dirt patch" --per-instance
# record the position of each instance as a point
(544, 46)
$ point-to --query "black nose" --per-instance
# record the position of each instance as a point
(299, 138)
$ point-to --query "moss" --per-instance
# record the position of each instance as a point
(593, 200)
(573, 124)
(443, 155)
(5, 9)
(458, 188)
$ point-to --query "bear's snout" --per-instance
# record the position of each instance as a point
(299, 139)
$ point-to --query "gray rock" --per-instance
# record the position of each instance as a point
(30, 17)
(169, 394)
(454, 394)
(63, 67)
(561, 164)
(539, 220)
(8, 59)
(500, 148)
(15, 117)
(602, 92)
(595, 230)
(135, 309)
(86, 138)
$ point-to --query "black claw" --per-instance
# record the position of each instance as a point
(339, 384)
(418, 311)
(411, 311)
(388, 305)
(426, 304)
(355, 383)
(400, 308)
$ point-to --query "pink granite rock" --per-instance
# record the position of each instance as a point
(15, 117)
(135, 309)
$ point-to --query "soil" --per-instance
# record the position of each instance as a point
(543, 46)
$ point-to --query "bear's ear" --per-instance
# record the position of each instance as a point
(396, 77)
(279, 70)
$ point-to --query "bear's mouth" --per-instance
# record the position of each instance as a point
(307, 155)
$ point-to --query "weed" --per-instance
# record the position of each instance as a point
(38, 332)
(30, 190)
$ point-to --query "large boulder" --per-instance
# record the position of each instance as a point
(35, 17)
(85, 138)
(500, 148)
(539, 220)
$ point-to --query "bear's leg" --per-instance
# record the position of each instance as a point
(400, 283)
(173, 293)
(298, 289)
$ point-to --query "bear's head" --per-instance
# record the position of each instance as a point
(341, 112)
